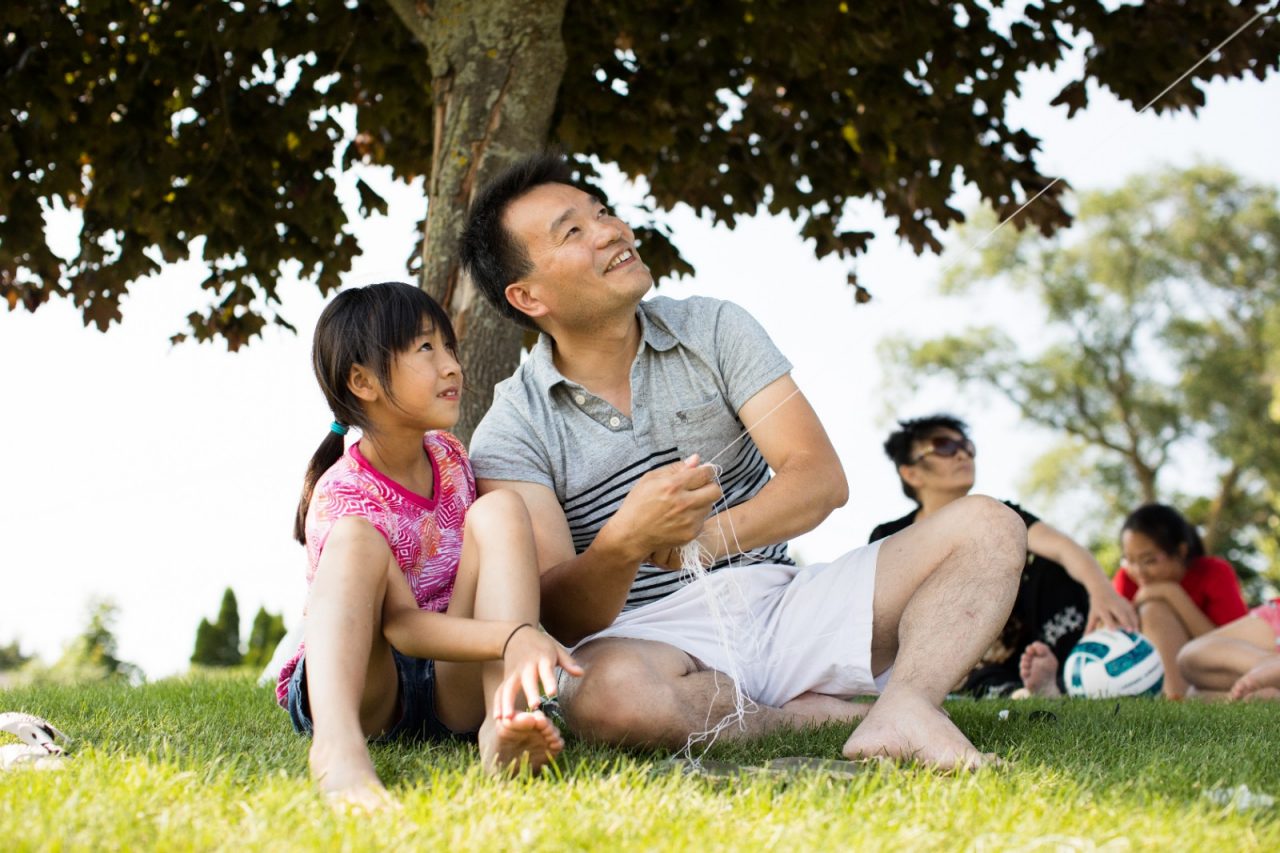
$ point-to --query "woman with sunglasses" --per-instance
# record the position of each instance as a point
(1064, 592)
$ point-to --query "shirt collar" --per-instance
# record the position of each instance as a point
(653, 332)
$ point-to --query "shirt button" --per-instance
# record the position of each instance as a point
(580, 399)
(613, 421)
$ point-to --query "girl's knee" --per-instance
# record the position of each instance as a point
(501, 506)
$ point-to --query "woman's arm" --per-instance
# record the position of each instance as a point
(1106, 606)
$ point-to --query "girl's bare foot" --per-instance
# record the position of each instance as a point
(527, 739)
(907, 727)
(1261, 682)
(345, 775)
(1039, 670)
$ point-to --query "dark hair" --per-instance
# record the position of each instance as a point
(368, 326)
(899, 443)
(1166, 527)
(491, 254)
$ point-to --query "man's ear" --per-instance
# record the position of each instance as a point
(521, 297)
(363, 383)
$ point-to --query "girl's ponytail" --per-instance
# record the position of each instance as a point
(329, 452)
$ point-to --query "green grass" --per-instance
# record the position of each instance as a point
(210, 762)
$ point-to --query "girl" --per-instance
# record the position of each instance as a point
(1241, 659)
(423, 603)
(1181, 594)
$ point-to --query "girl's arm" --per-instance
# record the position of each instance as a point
(356, 548)
(1196, 622)
(1105, 604)
(439, 636)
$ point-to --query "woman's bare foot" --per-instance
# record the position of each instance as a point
(1039, 670)
(814, 709)
(1261, 682)
(528, 739)
(907, 727)
(344, 773)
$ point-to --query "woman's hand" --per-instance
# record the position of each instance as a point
(1108, 608)
(529, 666)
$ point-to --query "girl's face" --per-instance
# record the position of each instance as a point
(426, 380)
(1147, 563)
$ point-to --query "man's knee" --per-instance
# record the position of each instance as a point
(620, 699)
(994, 529)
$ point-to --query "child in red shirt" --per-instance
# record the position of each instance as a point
(1181, 593)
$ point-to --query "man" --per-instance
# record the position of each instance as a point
(1061, 583)
(602, 431)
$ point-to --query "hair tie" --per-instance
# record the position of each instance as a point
(338, 428)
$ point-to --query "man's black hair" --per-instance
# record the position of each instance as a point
(491, 254)
(898, 445)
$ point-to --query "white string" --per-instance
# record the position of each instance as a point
(981, 242)
(694, 570)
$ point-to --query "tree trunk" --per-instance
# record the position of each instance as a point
(496, 68)
(1214, 534)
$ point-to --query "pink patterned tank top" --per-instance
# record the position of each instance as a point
(424, 534)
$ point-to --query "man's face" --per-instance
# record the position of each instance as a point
(585, 263)
(943, 462)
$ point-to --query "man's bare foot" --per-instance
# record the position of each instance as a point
(903, 726)
(813, 709)
(344, 773)
(1038, 668)
(528, 739)
(1261, 682)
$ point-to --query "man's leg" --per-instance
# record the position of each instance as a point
(944, 588)
(643, 693)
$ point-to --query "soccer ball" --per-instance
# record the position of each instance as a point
(1113, 663)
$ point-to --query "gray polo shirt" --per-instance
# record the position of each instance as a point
(700, 361)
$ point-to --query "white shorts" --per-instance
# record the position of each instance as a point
(778, 630)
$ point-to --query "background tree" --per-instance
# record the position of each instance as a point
(219, 130)
(218, 643)
(91, 656)
(11, 657)
(1160, 304)
(265, 634)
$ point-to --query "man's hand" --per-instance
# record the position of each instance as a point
(1107, 608)
(673, 558)
(665, 510)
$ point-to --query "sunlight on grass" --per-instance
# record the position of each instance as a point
(211, 763)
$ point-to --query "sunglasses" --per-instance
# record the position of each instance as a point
(947, 447)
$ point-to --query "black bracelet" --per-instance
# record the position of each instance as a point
(512, 634)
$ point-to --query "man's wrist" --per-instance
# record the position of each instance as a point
(612, 548)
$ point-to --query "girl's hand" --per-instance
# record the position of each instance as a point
(529, 666)
(1153, 591)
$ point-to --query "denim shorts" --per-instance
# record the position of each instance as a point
(418, 720)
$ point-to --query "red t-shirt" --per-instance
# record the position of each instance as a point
(1211, 584)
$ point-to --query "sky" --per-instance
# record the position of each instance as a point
(156, 476)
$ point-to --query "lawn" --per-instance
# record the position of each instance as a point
(210, 762)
